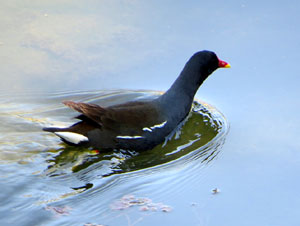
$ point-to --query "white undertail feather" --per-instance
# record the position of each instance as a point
(73, 138)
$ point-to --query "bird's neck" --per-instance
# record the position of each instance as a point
(179, 97)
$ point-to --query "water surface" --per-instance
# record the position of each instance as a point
(48, 48)
(52, 179)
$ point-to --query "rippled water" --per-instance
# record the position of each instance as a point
(40, 175)
(79, 45)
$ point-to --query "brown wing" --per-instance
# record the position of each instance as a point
(123, 119)
(92, 111)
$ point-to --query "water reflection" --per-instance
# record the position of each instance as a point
(64, 45)
(49, 174)
(199, 136)
(46, 49)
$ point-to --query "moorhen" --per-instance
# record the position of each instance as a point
(140, 125)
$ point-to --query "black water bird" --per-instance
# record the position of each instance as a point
(140, 125)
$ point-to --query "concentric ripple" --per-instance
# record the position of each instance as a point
(51, 176)
(198, 136)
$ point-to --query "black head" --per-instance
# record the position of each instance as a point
(205, 62)
(195, 71)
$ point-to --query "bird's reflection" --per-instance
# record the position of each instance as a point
(200, 137)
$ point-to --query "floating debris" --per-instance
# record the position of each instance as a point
(145, 204)
(215, 191)
(59, 211)
(166, 208)
(144, 208)
(153, 208)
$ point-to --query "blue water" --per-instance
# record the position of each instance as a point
(52, 48)
(44, 178)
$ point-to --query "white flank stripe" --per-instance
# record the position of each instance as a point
(154, 127)
(74, 138)
(147, 129)
(129, 137)
(159, 125)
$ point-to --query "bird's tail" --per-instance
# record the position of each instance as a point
(55, 129)
(67, 135)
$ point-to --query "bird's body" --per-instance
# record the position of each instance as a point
(140, 125)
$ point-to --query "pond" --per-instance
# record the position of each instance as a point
(234, 161)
